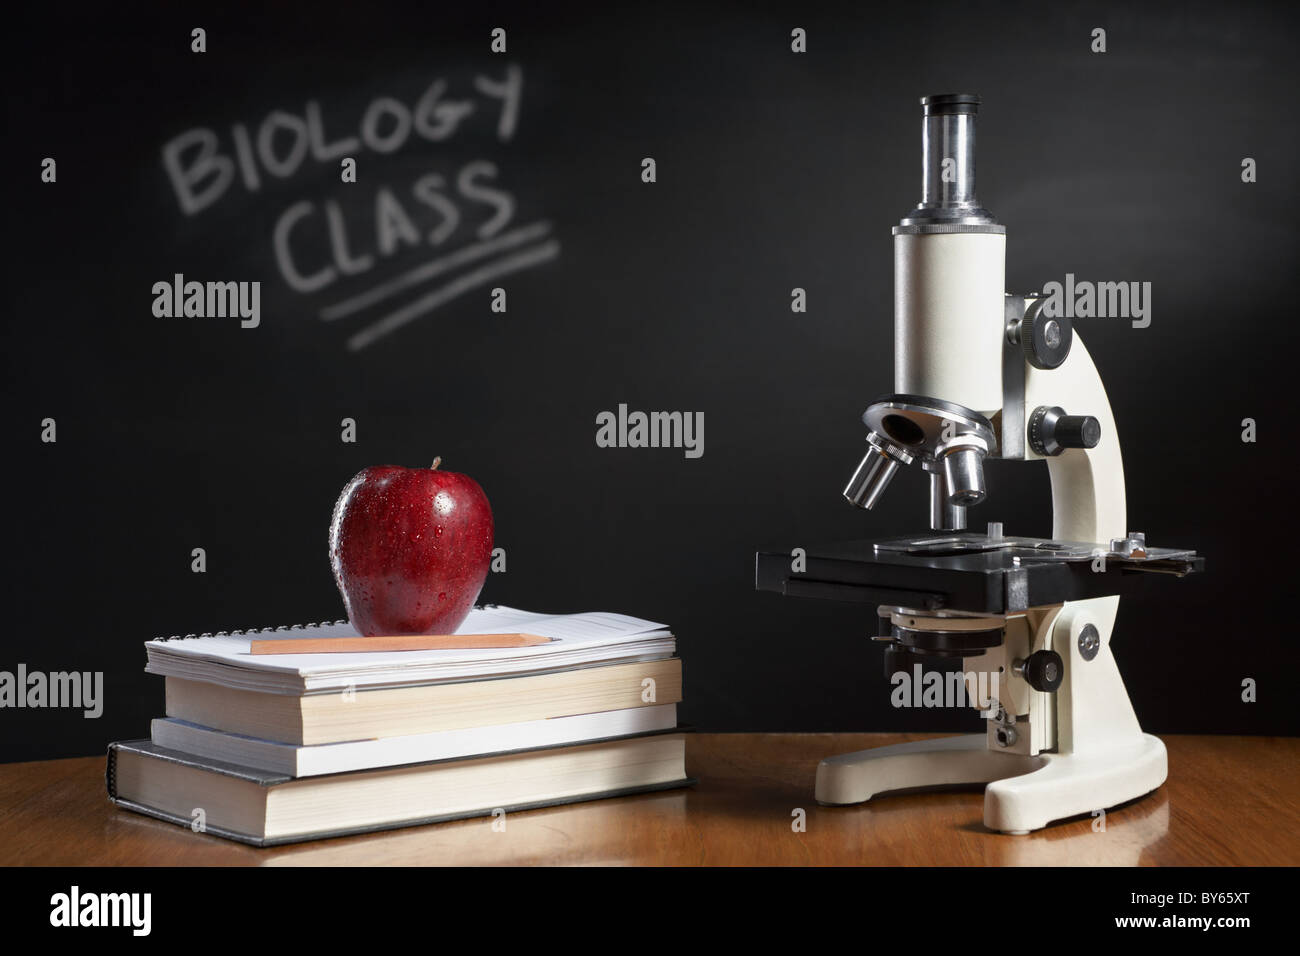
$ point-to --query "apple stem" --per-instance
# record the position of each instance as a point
(436, 462)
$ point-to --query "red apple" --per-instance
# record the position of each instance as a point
(410, 549)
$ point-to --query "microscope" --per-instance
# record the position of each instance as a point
(984, 374)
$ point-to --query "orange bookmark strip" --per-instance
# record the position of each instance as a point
(406, 642)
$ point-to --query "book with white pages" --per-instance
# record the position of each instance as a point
(265, 809)
(577, 640)
(310, 761)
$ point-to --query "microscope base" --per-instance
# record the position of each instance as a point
(1024, 793)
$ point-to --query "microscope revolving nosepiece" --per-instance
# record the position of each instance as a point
(951, 440)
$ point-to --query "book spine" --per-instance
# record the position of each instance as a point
(264, 842)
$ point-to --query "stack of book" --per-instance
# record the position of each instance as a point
(287, 747)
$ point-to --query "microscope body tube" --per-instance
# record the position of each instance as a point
(950, 270)
(949, 321)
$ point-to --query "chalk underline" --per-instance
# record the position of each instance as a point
(524, 259)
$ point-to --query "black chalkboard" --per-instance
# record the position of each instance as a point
(524, 170)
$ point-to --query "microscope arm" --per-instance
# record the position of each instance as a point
(1088, 502)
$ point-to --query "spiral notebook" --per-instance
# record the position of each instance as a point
(578, 640)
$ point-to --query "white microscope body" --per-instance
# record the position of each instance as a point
(980, 373)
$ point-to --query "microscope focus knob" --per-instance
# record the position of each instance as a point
(1051, 431)
(1046, 340)
(1043, 671)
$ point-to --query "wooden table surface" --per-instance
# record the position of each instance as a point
(1229, 800)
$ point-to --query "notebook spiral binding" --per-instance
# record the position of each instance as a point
(110, 771)
(240, 632)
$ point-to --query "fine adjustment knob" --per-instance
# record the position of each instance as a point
(1046, 340)
(1043, 671)
(1051, 431)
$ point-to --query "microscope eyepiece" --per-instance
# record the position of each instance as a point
(948, 166)
(950, 104)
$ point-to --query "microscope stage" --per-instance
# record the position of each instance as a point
(965, 571)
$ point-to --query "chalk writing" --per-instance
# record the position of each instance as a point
(323, 244)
